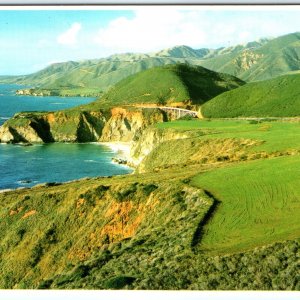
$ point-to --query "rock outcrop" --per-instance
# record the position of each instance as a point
(63, 126)
(70, 92)
(150, 139)
(25, 128)
(128, 124)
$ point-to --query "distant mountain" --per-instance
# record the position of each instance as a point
(260, 60)
(99, 74)
(256, 60)
(183, 52)
(277, 97)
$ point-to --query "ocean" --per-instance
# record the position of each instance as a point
(11, 104)
(26, 166)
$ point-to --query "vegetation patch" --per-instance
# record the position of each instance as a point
(118, 282)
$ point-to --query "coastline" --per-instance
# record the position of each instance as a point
(117, 155)
(122, 151)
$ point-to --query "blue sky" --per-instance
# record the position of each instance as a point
(32, 39)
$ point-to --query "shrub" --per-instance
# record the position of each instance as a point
(45, 284)
(186, 118)
(161, 100)
(119, 282)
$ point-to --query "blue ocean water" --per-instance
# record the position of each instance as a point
(11, 104)
(24, 166)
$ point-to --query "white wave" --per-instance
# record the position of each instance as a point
(91, 161)
(24, 182)
(122, 147)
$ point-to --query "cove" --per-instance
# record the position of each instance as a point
(26, 166)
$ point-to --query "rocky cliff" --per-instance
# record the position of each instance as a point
(64, 126)
(25, 128)
(117, 124)
(166, 148)
(127, 124)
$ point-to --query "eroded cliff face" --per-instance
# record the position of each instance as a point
(25, 128)
(247, 59)
(150, 139)
(128, 124)
(117, 124)
(159, 149)
(75, 126)
(64, 126)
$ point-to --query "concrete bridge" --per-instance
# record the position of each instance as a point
(178, 112)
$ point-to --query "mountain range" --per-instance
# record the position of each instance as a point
(253, 61)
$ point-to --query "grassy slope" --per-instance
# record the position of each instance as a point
(49, 231)
(172, 83)
(279, 56)
(278, 97)
(276, 136)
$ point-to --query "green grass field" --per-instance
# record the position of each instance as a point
(276, 136)
(259, 204)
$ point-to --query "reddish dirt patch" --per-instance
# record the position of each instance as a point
(50, 118)
(29, 213)
(14, 212)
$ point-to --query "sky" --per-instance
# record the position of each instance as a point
(34, 38)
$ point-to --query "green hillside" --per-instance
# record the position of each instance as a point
(172, 83)
(278, 97)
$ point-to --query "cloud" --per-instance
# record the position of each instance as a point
(69, 37)
(155, 29)
(149, 30)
